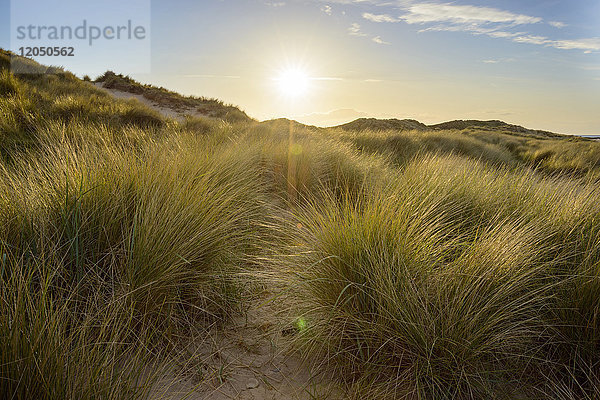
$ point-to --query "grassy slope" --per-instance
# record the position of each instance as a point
(373, 124)
(551, 154)
(211, 107)
(423, 263)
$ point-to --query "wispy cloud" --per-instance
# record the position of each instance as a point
(212, 76)
(379, 40)
(445, 12)
(531, 39)
(331, 118)
(476, 20)
(327, 78)
(585, 44)
(327, 9)
(380, 17)
(497, 60)
(355, 30)
(590, 67)
(503, 113)
(579, 44)
(503, 34)
(557, 24)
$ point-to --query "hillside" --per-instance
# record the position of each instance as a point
(492, 126)
(374, 124)
(148, 257)
(212, 108)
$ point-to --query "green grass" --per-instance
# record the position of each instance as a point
(460, 263)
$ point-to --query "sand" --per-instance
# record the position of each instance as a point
(178, 114)
(249, 359)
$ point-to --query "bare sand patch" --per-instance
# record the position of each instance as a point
(165, 110)
(249, 359)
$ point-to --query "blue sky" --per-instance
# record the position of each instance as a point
(535, 62)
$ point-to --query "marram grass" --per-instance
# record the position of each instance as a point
(431, 265)
(439, 289)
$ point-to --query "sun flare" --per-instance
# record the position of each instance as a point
(293, 82)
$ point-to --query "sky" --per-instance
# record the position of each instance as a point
(534, 63)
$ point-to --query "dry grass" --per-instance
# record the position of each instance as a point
(414, 264)
(212, 107)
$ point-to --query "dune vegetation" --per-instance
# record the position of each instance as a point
(411, 263)
(212, 107)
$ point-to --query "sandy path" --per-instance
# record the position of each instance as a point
(169, 112)
(247, 360)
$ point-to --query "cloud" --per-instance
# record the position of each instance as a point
(421, 13)
(474, 29)
(355, 30)
(503, 113)
(327, 78)
(476, 20)
(531, 39)
(212, 76)
(590, 67)
(588, 45)
(331, 118)
(275, 3)
(379, 40)
(359, 2)
(577, 44)
(503, 34)
(326, 9)
(497, 60)
(380, 18)
(557, 24)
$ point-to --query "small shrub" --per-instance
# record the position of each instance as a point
(142, 117)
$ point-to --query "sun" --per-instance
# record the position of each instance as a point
(293, 82)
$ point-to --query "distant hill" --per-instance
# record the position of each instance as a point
(286, 123)
(375, 124)
(491, 125)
